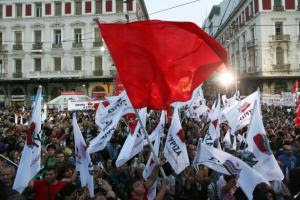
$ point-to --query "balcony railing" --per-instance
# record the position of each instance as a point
(3, 47)
(281, 37)
(98, 72)
(97, 44)
(37, 46)
(281, 67)
(17, 47)
(17, 75)
(57, 46)
(77, 45)
(278, 8)
(55, 74)
(251, 43)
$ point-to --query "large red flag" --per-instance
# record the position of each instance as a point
(161, 62)
(295, 87)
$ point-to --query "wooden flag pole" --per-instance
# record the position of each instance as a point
(8, 160)
(150, 144)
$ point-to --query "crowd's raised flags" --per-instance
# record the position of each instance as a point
(100, 108)
(30, 163)
(239, 115)
(297, 119)
(294, 88)
(175, 149)
(16, 119)
(162, 70)
(218, 160)
(83, 160)
(101, 140)
(134, 141)
(258, 144)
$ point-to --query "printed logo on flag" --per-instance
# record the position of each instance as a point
(181, 135)
(244, 107)
(32, 137)
(233, 169)
(262, 143)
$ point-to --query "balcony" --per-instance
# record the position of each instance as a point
(57, 46)
(281, 67)
(17, 47)
(37, 46)
(97, 44)
(278, 8)
(251, 70)
(3, 47)
(251, 44)
(281, 38)
(3, 75)
(56, 74)
(77, 45)
(17, 75)
(98, 72)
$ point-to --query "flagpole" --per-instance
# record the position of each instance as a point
(150, 144)
(9, 160)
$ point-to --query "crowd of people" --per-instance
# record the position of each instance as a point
(59, 179)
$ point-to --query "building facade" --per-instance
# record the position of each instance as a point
(263, 42)
(57, 44)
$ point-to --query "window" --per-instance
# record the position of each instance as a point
(290, 4)
(57, 36)
(252, 34)
(48, 8)
(278, 28)
(88, 7)
(28, 10)
(8, 10)
(38, 10)
(77, 33)
(244, 40)
(19, 10)
(1, 38)
(77, 63)
(38, 36)
(108, 6)
(18, 37)
(279, 56)
(57, 64)
(243, 18)
(78, 7)
(277, 3)
(98, 39)
(119, 6)
(251, 9)
(1, 14)
(98, 63)
(98, 6)
(256, 6)
(57, 8)
(18, 65)
(68, 8)
(130, 5)
(37, 64)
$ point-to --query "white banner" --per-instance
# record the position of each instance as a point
(81, 105)
(287, 99)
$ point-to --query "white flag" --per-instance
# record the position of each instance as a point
(100, 141)
(247, 178)
(151, 163)
(239, 115)
(44, 113)
(98, 113)
(134, 141)
(30, 163)
(83, 160)
(159, 128)
(16, 119)
(152, 191)
(258, 144)
(21, 120)
(175, 150)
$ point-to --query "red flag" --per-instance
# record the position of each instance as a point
(119, 86)
(295, 87)
(161, 62)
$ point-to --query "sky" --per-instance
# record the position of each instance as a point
(195, 12)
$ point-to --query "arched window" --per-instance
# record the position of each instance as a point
(17, 91)
(279, 56)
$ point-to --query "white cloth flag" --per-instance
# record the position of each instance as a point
(30, 163)
(100, 141)
(21, 120)
(122, 102)
(152, 191)
(134, 141)
(44, 113)
(258, 144)
(175, 150)
(239, 115)
(151, 163)
(16, 119)
(197, 94)
(98, 113)
(159, 128)
(247, 178)
(83, 160)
